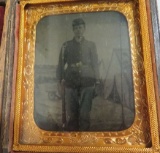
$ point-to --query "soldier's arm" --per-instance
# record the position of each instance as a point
(61, 63)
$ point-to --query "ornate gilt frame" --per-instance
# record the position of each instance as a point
(142, 136)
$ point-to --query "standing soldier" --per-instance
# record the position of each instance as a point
(78, 68)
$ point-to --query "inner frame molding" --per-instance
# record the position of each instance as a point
(137, 138)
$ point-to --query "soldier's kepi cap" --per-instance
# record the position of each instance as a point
(78, 21)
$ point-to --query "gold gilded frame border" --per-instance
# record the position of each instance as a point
(28, 137)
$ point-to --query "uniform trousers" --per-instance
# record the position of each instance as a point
(78, 106)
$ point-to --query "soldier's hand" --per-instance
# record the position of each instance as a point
(60, 86)
(98, 88)
(62, 82)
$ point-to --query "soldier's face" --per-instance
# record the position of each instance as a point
(79, 30)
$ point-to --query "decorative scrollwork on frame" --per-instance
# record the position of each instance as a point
(137, 134)
(83, 139)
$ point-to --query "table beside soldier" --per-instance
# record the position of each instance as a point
(78, 70)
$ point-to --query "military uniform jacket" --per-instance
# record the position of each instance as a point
(78, 63)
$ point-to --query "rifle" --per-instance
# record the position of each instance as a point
(63, 89)
(63, 105)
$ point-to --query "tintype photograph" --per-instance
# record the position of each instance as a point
(83, 77)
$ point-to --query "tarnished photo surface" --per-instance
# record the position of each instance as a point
(83, 77)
